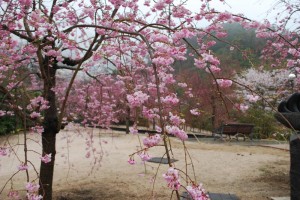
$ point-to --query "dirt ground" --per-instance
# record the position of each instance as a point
(248, 171)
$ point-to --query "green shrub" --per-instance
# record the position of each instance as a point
(7, 125)
(264, 121)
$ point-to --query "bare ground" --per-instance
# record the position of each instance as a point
(250, 172)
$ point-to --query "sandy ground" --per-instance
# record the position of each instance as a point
(250, 172)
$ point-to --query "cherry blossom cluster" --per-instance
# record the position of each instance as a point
(271, 84)
(125, 64)
(32, 189)
(252, 98)
(242, 107)
(152, 140)
(172, 178)
(170, 99)
(93, 103)
(150, 113)
(137, 99)
(23, 167)
(174, 130)
(144, 156)
(133, 130)
(175, 119)
(131, 161)
(14, 195)
(197, 192)
(46, 158)
(3, 151)
(195, 112)
(37, 129)
(37, 105)
(224, 83)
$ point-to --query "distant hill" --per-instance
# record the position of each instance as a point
(246, 42)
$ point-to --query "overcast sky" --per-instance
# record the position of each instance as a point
(253, 9)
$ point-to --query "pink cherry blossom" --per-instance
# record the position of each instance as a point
(163, 61)
(160, 5)
(170, 99)
(184, 33)
(127, 58)
(214, 69)
(210, 59)
(34, 196)
(25, 2)
(35, 115)
(168, 78)
(46, 158)
(3, 151)
(158, 129)
(137, 98)
(243, 107)
(13, 195)
(147, 3)
(88, 154)
(53, 53)
(2, 113)
(197, 192)
(131, 161)
(180, 12)
(221, 34)
(252, 98)
(38, 129)
(183, 85)
(172, 178)
(294, 52)
(174, 130)
(23, 167)
(133, 130)
(32, 187)
(169, 1)
(152, 140)
(290, 63)
(224, 16)
(195, 112)
(200, 63)
(224, 83)
(175, 120)
(149, 113)
(144, 156)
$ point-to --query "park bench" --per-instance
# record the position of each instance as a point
(234, 129)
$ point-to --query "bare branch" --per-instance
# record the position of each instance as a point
(16, 33)
(66, 67)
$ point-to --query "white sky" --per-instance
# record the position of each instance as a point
(253, 9)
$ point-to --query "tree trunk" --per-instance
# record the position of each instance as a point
(127, 119)
(214, 110)
(153, 124)
(47, 169)
(49, 135)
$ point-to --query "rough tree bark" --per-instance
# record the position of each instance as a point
(49, 135)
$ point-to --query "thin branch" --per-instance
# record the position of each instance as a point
(67, 67)
(16, 33)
